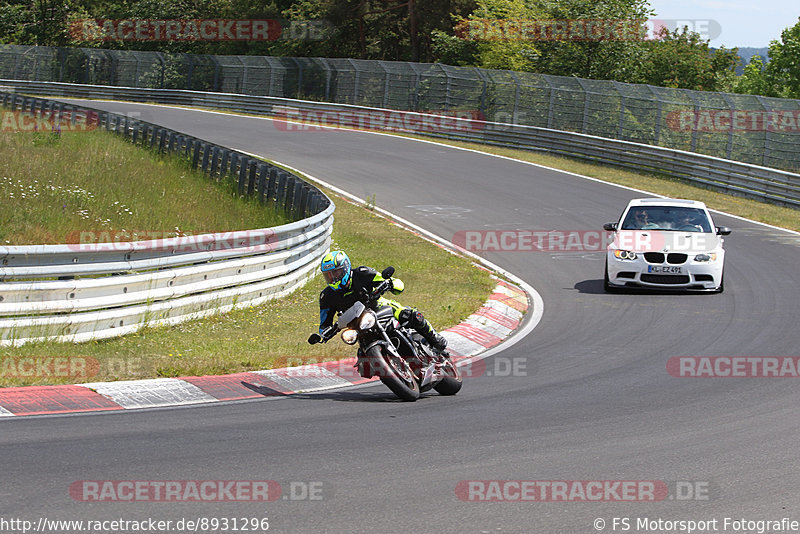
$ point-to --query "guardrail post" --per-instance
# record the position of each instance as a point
(263, 175)
(162, 140)
(206, 156)
(251, 179)
(233, 172)
(214, 163)
(195, 153)
(272, 186)
(288, 200)
(280, 191)
(243, 165)
(226, 159)
(303, 203)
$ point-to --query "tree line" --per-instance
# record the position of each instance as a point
(484, 33)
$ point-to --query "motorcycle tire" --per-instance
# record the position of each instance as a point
(451, 384)
(396, 374)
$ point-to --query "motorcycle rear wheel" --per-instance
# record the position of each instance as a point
(451, 384)
(396, 374)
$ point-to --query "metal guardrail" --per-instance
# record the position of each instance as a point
(747, 128)
(78, 292)
(752, 181)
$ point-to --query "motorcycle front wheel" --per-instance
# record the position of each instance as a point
(395, 373)
(450, 384)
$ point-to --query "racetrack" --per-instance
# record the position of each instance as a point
(592, 399)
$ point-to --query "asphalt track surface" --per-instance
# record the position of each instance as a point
(593, 401)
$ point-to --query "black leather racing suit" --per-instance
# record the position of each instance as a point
(363, 280)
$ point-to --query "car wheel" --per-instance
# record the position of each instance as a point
(721, 287)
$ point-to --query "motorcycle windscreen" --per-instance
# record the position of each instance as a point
(350, 314)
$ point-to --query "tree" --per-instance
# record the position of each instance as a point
(783, 70)
(754, 81)
(681, 59)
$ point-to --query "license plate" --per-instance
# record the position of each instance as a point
(665, 269)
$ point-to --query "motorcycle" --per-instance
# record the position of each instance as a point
(402, 359)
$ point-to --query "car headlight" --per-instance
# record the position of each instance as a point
(706, 257)
(349, 336)
(625, 254)
(367, 320)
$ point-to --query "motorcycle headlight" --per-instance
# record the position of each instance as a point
(367, 320)
(349, 336)
(625, 254)
(706, 257)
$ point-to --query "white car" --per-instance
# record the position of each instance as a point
(665, 244)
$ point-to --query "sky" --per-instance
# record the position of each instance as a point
(738, 23)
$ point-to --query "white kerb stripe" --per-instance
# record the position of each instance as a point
(486, 324)
(305, 378)
(462, 345)
(133, 394)
(503, 309)
(4, 412)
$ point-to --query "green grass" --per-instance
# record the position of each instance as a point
(53, 188)
(445, 287)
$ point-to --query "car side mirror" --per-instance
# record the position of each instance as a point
(610, 227)
(723, 230)
(387, 272)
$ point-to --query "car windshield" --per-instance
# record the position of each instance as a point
(673, 218)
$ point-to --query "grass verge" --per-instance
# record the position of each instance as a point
(56, 186)
(445, 287)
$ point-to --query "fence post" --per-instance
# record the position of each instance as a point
(732, 107)
(485, 81)
(767, 133)
(694, 121)
(621, 133)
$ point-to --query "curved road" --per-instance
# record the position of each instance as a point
(591, 400)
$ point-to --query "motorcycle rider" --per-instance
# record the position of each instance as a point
(347, 285)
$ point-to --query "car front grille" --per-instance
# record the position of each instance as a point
(654, 257)
(658, 257)
(665, 279)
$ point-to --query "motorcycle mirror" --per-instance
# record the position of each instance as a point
(313, 339)
(388, 272)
